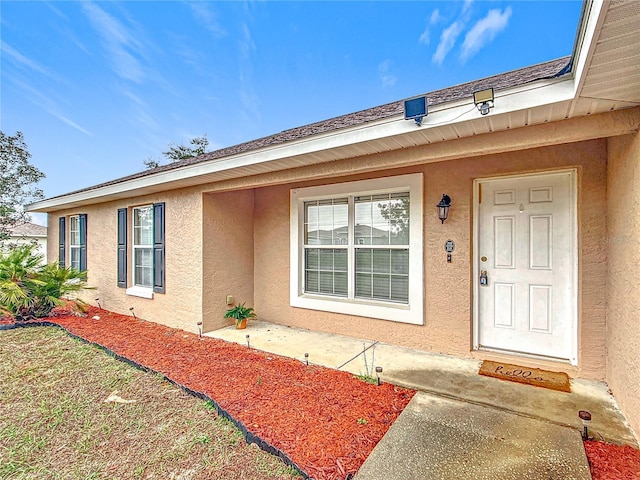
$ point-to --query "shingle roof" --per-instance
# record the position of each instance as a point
(502, 81)
(29, 230)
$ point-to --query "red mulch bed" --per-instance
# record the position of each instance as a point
(612, 462)
(326, 421)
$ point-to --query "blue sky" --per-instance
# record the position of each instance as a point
(98, 87)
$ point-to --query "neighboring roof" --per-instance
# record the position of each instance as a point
(502, 81)
(28, 229)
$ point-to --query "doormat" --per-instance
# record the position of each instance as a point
(529, 376)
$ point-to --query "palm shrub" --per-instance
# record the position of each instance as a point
(29, 289)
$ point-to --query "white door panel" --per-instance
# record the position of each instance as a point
(526, 244)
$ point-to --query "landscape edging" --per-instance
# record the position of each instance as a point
(249, 436)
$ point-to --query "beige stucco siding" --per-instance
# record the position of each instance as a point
(227, 254)
(237, 243)
(181, 305)
(447, 302)
(623, 241)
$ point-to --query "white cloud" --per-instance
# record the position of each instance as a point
(387, 78)
(466, 6)
(23, 61)
(207, 18)
(484, 31)
(134, 98)
(71, 36)
(55, 10)
(425, 38)
(246, 43)
(447, 41)
(251, 106)
(71, 123)
(44, 102)
(435, 17)
(249, 99)
(120, 44)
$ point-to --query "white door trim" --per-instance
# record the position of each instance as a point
(574, 248)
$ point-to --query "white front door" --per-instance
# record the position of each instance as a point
(525, 261)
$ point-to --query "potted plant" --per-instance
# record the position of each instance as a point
(240, 314)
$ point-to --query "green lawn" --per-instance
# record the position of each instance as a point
(54, 423)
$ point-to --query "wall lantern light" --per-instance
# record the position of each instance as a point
(443, 207)
(483, 100)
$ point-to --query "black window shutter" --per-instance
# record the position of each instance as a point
(83, 242)
(122, 247)
(61, 235)
(158, 248)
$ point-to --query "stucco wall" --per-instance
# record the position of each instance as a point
(227, 254)
(448, 316)
(623, 240)
(181, 305)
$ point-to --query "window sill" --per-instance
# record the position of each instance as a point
(143, 292)
(361, 308)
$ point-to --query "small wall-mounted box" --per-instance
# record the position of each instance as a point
(229, 299)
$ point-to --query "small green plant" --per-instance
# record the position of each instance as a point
(210, 406)
(362, 421)
(367, 379)
(240, 313)
(202, 439)
(259, 381)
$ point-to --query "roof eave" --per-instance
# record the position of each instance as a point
(525, 97)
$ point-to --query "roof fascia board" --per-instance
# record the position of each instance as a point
(591, 27)
(524, 97)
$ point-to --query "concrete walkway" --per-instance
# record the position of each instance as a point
(460, 424)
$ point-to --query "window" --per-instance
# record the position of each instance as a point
(147, 250)
(76, 244)
(356, 248)
(143, 246)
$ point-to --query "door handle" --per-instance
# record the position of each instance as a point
(483, 277)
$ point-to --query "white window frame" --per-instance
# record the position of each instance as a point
(73, 247)
(405, 313)
(139, 289)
